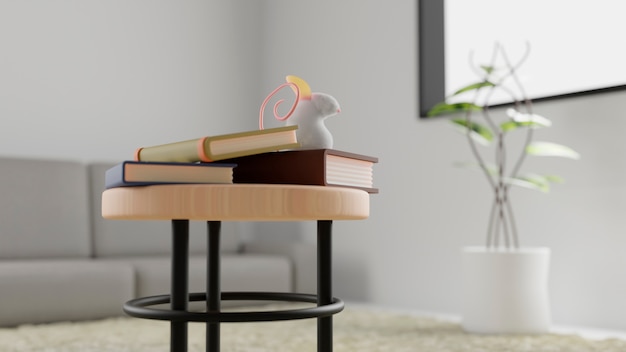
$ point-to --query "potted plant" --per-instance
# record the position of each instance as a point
(505, 285)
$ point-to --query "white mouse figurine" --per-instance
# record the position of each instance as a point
(308, 113)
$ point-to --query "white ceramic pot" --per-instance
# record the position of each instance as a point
(506, 291)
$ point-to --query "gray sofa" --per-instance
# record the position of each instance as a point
(61, 261)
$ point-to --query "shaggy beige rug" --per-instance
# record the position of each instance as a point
(356, 329)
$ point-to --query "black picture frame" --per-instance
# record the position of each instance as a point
(431, 54)
(431, 60)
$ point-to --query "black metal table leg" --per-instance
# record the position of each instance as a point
(179, 283)
(213, 291)
(179, 317)
(324, 284)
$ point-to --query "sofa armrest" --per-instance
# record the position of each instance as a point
(302, 255)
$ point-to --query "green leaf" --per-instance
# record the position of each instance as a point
(488, 69)
(537, 184)
(534, 181)
(491, 168)
(520, 119)
(551, 149)
(478, 132)
(524, 119)
(474, 86)
(509, 126)
(445, 108)
(554, 178)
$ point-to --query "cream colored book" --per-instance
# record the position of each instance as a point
(213, 148)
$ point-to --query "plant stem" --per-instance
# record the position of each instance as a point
(529, 135)
(501, 217)
(511, 219)
(500, 158)
(505, 228)
(527, 104)
(491, 221)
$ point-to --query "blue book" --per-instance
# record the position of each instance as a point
(142, 173)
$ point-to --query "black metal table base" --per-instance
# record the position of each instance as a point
(326, 305)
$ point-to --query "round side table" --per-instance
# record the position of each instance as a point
(215, 203)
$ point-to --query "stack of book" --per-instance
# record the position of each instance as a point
(260, 156)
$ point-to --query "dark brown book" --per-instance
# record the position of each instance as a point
(322, 167)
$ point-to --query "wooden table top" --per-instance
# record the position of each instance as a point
(235, 202)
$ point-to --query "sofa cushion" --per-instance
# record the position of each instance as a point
(239, 272)
(114, 238)
(40, 291)
(43, 209)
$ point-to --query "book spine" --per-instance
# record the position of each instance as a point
(186, 151)
(115, 176)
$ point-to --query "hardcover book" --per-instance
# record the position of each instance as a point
(141, 173)
(219, 147)
(323, 167)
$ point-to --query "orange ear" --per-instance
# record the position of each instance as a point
(305, 90)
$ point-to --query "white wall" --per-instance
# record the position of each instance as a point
(407, 254)
(94, 80)
(97, 79)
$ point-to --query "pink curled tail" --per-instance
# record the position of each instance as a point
(276, 116)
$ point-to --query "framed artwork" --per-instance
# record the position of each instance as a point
(575, 46)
